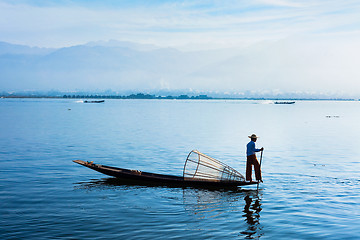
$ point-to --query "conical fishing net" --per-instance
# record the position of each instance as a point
(198, 166)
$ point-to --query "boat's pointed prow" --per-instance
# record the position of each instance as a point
(82, 162)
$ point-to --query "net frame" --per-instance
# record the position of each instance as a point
(215, 170)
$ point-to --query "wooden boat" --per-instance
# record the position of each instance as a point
(193, 177)
(284, 102)
(94, 101)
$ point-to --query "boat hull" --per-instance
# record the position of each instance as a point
(94, 101)
(284, 102)
(146, 178)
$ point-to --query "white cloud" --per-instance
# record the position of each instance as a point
(172, 24)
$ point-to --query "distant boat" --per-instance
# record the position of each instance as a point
(285, 102)
(94, 101)
(199, 171)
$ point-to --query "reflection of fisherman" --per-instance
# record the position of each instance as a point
(252, 213)
(252, 160)
(252, 217)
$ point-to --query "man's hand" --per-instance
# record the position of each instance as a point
(262, 149)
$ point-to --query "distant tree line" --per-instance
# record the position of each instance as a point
(138, 96)
(149, 96)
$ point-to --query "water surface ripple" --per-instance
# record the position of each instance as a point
(310, 169)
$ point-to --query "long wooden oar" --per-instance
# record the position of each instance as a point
(257, 189)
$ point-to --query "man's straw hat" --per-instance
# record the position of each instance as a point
(253, 136)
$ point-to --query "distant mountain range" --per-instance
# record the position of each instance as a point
(270, 70)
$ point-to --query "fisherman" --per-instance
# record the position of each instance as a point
(252, 160)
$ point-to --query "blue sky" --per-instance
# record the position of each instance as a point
(173, 23)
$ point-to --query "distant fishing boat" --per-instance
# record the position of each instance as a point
(200, 170)
(285, 102)
(94, 101)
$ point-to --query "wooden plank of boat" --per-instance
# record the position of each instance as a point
(159, 179)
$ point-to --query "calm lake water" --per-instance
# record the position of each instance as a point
(311, 169)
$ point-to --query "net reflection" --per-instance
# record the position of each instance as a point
(205, 203)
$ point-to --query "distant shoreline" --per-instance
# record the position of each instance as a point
(180, 97)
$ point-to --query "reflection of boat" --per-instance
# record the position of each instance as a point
(94, 101)
(242, 207)
(285, 102)
(199, 171)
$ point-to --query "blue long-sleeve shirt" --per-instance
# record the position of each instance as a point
(251, 149)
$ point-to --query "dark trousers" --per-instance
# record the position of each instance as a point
(252, 160)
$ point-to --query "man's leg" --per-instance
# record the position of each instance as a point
(257, 169)
(249, 168)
